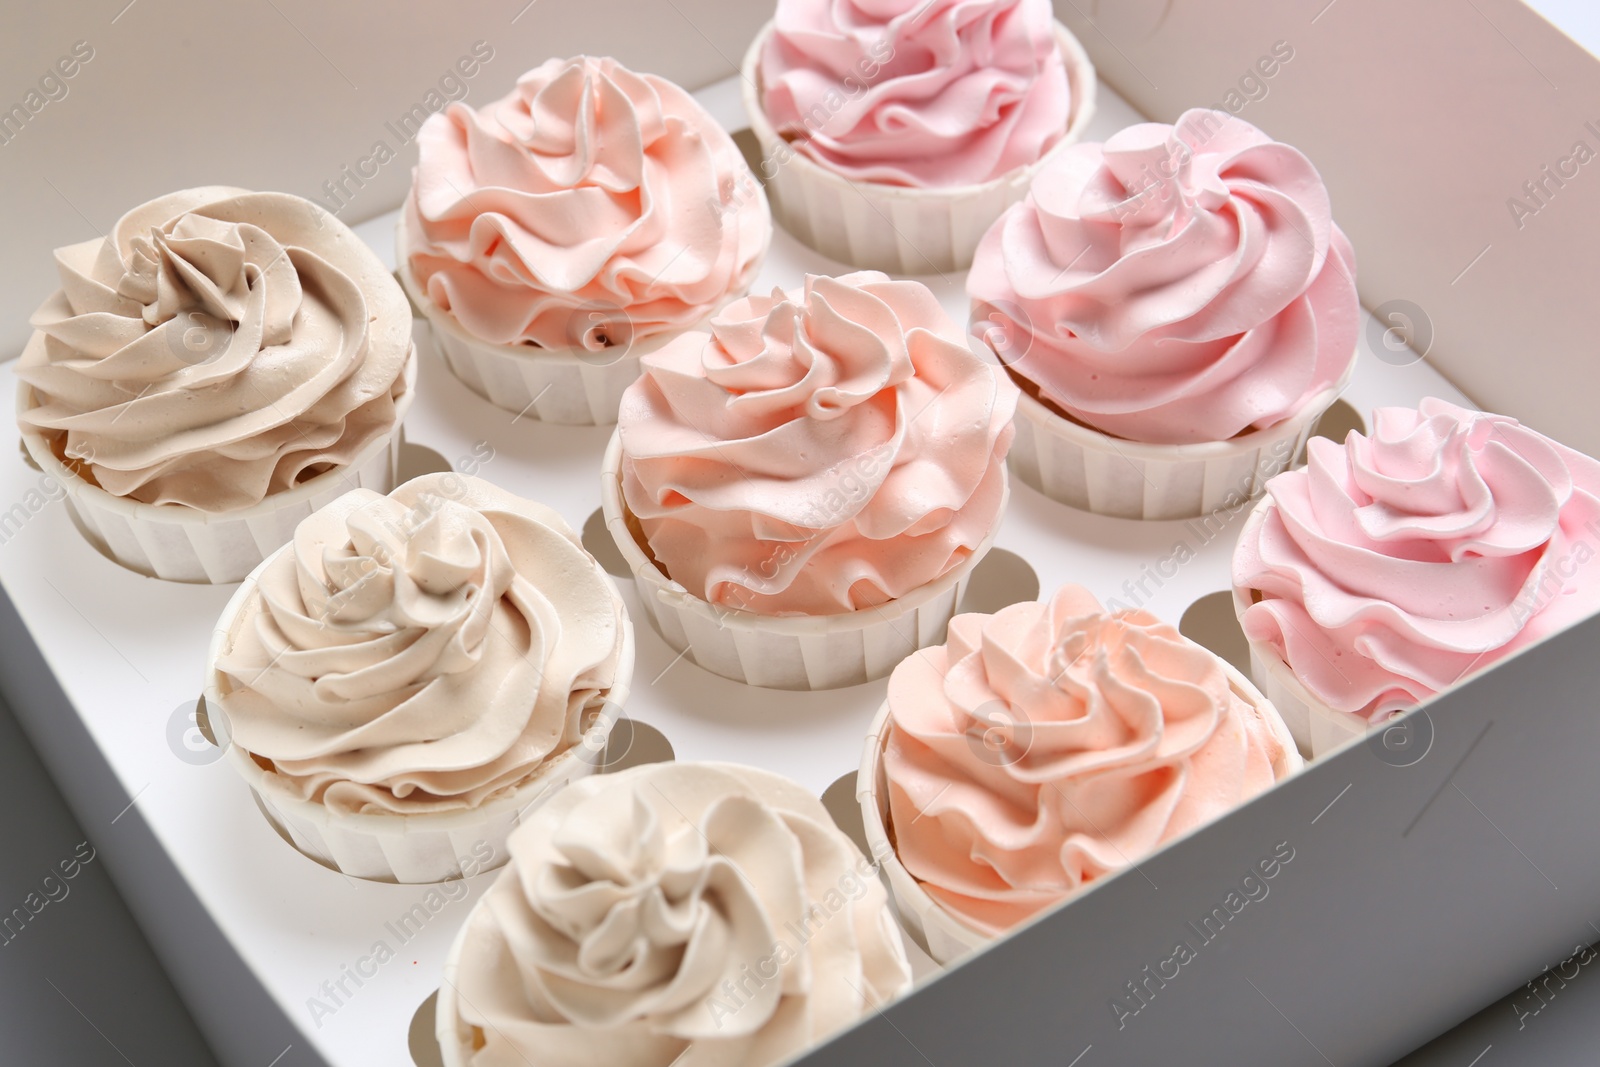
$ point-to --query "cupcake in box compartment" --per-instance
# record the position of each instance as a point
(803, 492)
(1392, 566)
(554, 236)
(1179, 309)
(893, 133)
(220, 365)
(1048, 746)
(673, 913)
(411, 674)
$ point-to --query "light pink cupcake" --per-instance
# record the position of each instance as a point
(1179, 308)
(894, 131)
(1392, 566)
(556, 235)
(803, 492)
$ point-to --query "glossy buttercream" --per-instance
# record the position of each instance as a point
(424, 651)
(1054, 743)
(702, 914)
(821, 450)
(1392, 565)
(217, 347)
(922, 93)
(1174, 285)
(589, 208)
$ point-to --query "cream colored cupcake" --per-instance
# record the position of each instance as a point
(415, 671)
(218, 367)
(674, 913)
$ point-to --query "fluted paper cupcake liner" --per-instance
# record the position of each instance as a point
(935, 930)
(939, 932)
(421, 847)
(1094, 472)
(454, 1036)
(898, 229)
(789, 652)
(569, 386)
(1318, 728)
(184, 544)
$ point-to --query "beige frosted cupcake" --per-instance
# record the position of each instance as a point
(556, 235)
(893, 134)
(803, 492)
(218, 367)
(673, 913)
(1044, 748)
(411, 674)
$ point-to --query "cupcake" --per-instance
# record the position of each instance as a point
(1391, 566)
(893, 133)
(1179, 309)
(803, 492)
(554, 236)
(1046, 747)
(696, 913)
(404, 680)
(219, 367)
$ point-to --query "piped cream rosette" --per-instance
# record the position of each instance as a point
(414, 672)
(700, 913)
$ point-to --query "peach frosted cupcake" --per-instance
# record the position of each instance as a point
(556, 235)
(219, 366)
(1179, 308)
(1048, 746)
(803, 492)
(411, 674)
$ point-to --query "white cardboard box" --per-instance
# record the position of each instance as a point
(1417, 893)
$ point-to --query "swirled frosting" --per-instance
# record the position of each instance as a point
(588, 208)
(928, 93)
(218, 347)
(423, 651)
(1177, 284)
(821, 450)
(1390, 566)
(706, 914)
(1051, 744)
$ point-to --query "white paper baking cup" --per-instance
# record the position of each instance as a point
(939, 932)
(184, 544)
(1318, 728)
(425, 847)
(893, 228)
(569, 386)
(1092, 471)
(784, 652)
(454, 1035)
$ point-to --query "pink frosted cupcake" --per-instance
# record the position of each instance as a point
(556, 235)
(1048, 746)
(1179, 309)
(1392, 566)
(895, 132)
(803, 492)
